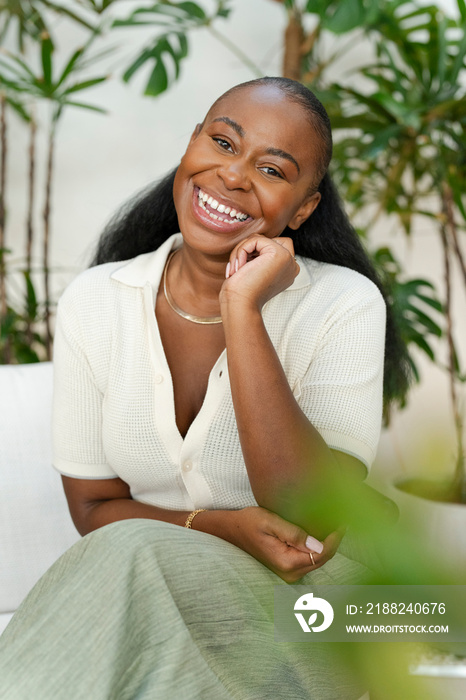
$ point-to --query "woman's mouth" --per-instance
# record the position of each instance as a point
(220, 213)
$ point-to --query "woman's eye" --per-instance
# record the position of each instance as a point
(271, 171)
(222, 143)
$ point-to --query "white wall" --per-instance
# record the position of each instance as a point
(102, 160)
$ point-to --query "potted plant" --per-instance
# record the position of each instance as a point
(405, 156)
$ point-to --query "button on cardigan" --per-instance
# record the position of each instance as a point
(114, 411)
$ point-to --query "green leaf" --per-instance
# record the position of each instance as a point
(414, 369)
(69, 66)
(458, 64)
(81, 105)
(31, 304)
(424, 320)
(174, 44)
(141, 59)
(191, 8)
(413, 285)
(158, 81)
(418, 340)
(12, 62)
(348, 15)
(19, 109)
(399, 110)
(381, 140)
(62, 10)
(372, 103)
(434, 303)
(84, 85)
(462, 9)
(46, 52)
(458, 194)
(25, 355)
(442, 57)
(184, 47)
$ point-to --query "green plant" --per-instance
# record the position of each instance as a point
(412, 300)
(405, 155)
(29, 18)
(169, 47)
(21, 84)
(19, 338)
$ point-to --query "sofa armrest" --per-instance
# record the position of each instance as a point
(35, 525)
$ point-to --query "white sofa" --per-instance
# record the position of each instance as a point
(35, 525)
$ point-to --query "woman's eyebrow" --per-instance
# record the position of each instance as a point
(234, 125)
(283, 154)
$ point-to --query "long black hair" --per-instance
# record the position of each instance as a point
(327, 236)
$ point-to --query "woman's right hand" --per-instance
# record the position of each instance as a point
(278, 544)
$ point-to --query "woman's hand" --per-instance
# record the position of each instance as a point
(280, 545)
(259, 268)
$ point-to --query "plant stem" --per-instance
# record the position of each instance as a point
(293, 42)
(450, 214)
(46, 242)
(459, 477)
(3, 297)
(236, 51)
(31, 192)
(30, 215)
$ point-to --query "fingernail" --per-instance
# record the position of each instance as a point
(314, 545)
(236, 265)
(227, 271)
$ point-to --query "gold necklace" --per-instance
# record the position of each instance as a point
(203, 320)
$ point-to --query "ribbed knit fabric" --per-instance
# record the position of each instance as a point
(114, 411)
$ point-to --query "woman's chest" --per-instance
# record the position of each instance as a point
(191, 351)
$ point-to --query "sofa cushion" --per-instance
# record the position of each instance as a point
(35, 525)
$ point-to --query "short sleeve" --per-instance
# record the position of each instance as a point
(77, 409)
(342, 390)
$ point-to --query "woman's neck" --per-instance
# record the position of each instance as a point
(195, 280)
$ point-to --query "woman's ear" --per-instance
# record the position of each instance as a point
(195, 133)
(305, 211)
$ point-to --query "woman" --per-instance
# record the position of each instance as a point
(257, 376)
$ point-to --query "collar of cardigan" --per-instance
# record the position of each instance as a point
(148, 267)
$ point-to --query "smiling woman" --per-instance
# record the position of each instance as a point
(243, 159)
(223, 357)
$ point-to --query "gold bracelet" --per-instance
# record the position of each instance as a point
(192, 515)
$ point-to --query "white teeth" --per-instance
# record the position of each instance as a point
(221, 208)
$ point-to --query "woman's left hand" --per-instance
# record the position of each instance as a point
(259, 269)
(281, 546)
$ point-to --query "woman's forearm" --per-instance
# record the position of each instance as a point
(92, 515)
(282, 450)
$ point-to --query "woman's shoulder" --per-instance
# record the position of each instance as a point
(112, 280)
(90, 287)
(338, 282)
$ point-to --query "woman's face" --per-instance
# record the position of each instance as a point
(248, 169)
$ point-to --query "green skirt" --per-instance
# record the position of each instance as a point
(146, 610)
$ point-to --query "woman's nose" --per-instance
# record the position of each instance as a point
(235, 175)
